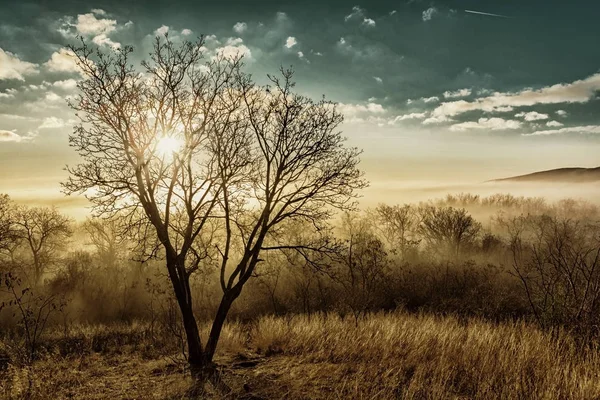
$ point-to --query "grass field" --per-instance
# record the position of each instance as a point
(381, 356)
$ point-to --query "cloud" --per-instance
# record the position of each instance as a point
(92, 25)
(10, 136)
(494, 124)
(431, 99)
(436, 120)
(161, 31)
(562, 113)
(356, 12)
(89, 24)
(378, 79)
(98, 11)
(359, 113)
(54, 123)
(63, 60)
(554, 124)
(9, 93)
(290, 42)
(103, 40)
(240, 27)
(408, 116)
(531, 116)
(589, 129)
(234, 48)
(579, 91)
(368, 22)
(186, 32)
(53, 97)
(68, 84)
(428, 14)
(11, 67)
(459, 93)
(353, 109)
(359, 14)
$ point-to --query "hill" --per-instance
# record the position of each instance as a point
(571, 175)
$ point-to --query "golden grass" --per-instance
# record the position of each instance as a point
(414, 357)
(380, 356)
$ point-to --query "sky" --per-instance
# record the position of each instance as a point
(438, 94)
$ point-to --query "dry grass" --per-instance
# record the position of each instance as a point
(382, 356)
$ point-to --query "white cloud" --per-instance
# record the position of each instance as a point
(436, 120)
(103, 40)
(531, 116)
(428, 14)
(408, 116)
(240, 27)
(356, 11)
(88, 24)
(459, 93)
(54, 122)
(234, 48)
(92, 25)
(290, 42)
(369, 22)
(360, 113)
(10, 136)
(53, 97)
(68, 84)
(301, 56)
(431, 99)
(554, 124)
(393, 12)
(589, 129)
(579, 91)
(378, 79)
(186, 32)
(353, 109)
(63, 60)
(11, 67)
(9, 93)
(161, 31)
(487, 123)
(562, 113)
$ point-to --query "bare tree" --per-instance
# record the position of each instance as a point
(557, 261)
(44, 231)
(247, 159)
(8, 234)
(448, 227)
(397, 225)
(105, 236)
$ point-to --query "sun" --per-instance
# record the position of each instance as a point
(167, 146)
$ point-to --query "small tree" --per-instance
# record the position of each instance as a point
(44, 231)
(397, 224)
(8, 233)
(207, 162)
(448, 227)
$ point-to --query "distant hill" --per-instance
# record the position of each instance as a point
(572, 175)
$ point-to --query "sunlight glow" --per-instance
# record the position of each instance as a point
(167, 146)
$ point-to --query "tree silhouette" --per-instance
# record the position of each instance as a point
(247, 161)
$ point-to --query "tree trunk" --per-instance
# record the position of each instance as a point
(196, 358)
(213, 339)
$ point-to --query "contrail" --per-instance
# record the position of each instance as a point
(484, 13)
